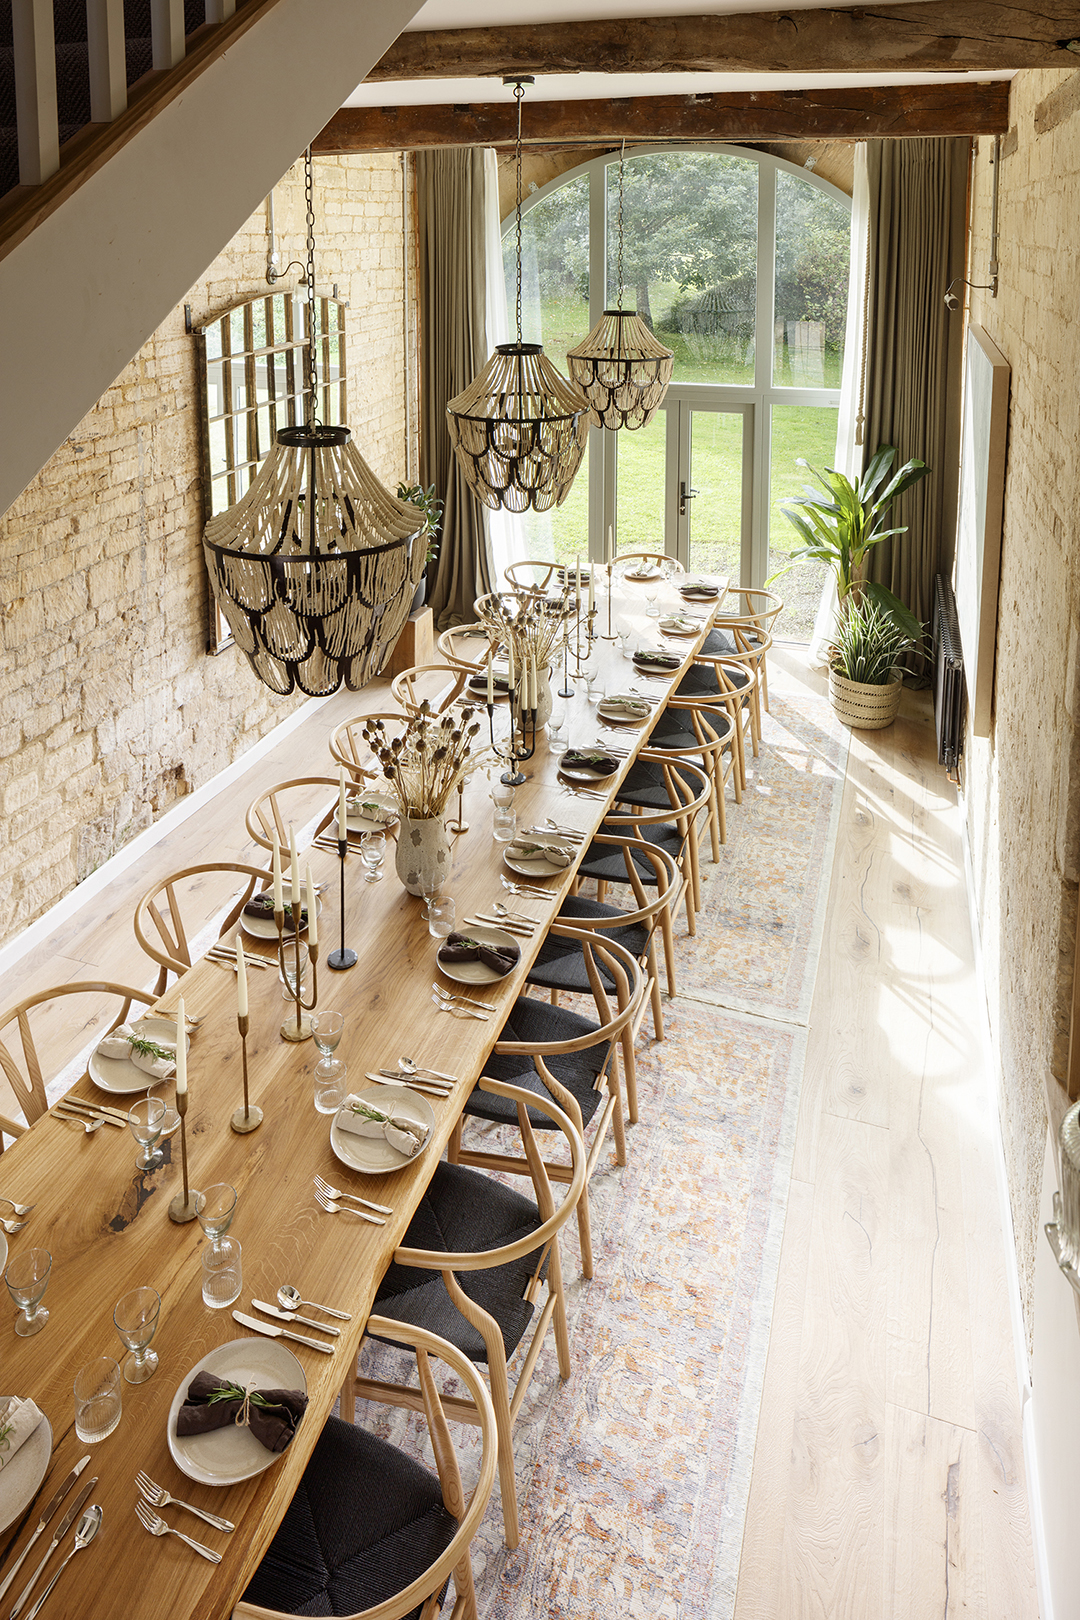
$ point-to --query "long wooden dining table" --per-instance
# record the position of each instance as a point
(107, 1226)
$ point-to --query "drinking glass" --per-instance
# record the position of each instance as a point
(652, 608)
(215, 1206)
(147, 1118)
(372, 851)
(559, 723)
(441, 912)
(98, 1401)
(222, 1273)
(287, 969)
(171, 1122)
(503, 825)
(327, 1029)
(329, 1093)
(135, 1319)
(27, 1278)
(502, 793)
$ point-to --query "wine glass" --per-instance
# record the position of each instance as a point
(287, 971)
(215, 1207)
(171, 1122)
(27, 1278)
(327, 1029)
(135, 1319)
(372, 851)
(147, 1119)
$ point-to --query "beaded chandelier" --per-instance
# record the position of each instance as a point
(519, 429)
(315, 567)
(621, 368)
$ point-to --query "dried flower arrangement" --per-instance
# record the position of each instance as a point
(530, 627)
(426, 762)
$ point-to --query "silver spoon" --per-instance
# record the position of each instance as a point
(89, 1125)
(512, 916)
(88, 1527)
(289, 1299)
(410, 1066)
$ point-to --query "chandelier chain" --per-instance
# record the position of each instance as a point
(519, 96)
(313, 370)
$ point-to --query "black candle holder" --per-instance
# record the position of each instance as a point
(512, 754)
(343, 957)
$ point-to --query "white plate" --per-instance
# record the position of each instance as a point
(665, 672)
(478, 972)
(265, 927)
(609, 711)
(536, 866)
(672, 627)
(373, 1155)
(120, 1075)
(581, 773)
(476, 688)
(639, 578)
(21, 1477)
(225, 1456)
(699, 593)
(361, 824)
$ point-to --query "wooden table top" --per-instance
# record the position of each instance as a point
(107, 1227)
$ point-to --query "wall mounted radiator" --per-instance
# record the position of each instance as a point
(948, 677)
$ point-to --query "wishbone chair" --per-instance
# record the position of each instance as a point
(435, 683)
(159, 916)
(264, 816)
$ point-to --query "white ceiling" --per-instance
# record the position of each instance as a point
(441, 14)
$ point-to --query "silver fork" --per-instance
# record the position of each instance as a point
(158, 1497)
(344, 1209)
(12, 1226)
(157, 1527)
(521, 888)
(458, 1012)
(456, 995)
(336, 1192)
(16, 1209)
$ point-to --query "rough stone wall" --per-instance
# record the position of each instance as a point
(110, 708)
(1022, 794)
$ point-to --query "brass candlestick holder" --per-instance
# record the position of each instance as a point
(610, 633)
(182, 1207)
(460, 825)
(343, 957)
(299, 1028)
(247, 1118)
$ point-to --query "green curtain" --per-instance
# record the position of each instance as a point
(451, 285)
(918, 217)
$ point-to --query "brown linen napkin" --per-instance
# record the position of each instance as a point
(274, 1414)
(580, 759)
(262, 905)
(462, 948)
(698, 593)
(657, 660)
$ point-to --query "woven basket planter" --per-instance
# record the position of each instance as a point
(866, 708)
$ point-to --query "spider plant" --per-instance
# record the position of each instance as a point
(867, 641)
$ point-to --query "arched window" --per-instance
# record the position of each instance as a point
(739, 261)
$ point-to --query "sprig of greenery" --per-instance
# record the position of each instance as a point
(867, 641)
(149, 1048)
(233, 1392)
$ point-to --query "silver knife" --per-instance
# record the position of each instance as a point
(275, 1333)
(46, 1514)
(77, 1111)
(65, 1525)
(68, 1101)
(294, 1316)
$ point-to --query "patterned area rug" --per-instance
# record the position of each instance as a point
(633, 1476)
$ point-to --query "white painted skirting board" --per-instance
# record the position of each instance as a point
(16, 948)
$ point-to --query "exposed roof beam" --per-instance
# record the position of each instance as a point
(853, 114)
(948, 35)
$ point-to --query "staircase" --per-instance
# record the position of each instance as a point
(136, 136)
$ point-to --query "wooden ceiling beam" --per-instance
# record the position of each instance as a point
(888, 111)
(971, 36)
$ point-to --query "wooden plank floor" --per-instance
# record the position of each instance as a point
(888, 1477)
(888, 1481)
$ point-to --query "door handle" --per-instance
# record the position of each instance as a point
(686, 493)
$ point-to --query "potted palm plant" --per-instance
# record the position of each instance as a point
(873, 627)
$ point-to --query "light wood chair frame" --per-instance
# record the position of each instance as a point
(742, 702)
(447, 645)
(649, 556)
(686, 809)
(756, 620)
(467, 1510)
(553, 1312)
(651, 914)
(173, 953)
(404, 688)
(348, 748)
(263, 817)
(630, 997)
(28, 1082)
(530, 587)
(706, 745)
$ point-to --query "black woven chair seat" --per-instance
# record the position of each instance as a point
(461, 1211)
(718, 644)
(365, 1521)
(700, 680)
(644, 783)
(534, 1023)
(606, 863)
(560, 963)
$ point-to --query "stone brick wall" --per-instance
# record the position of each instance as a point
(1022, 791)
(110, 709)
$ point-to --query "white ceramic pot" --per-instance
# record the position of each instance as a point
(423, 854)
